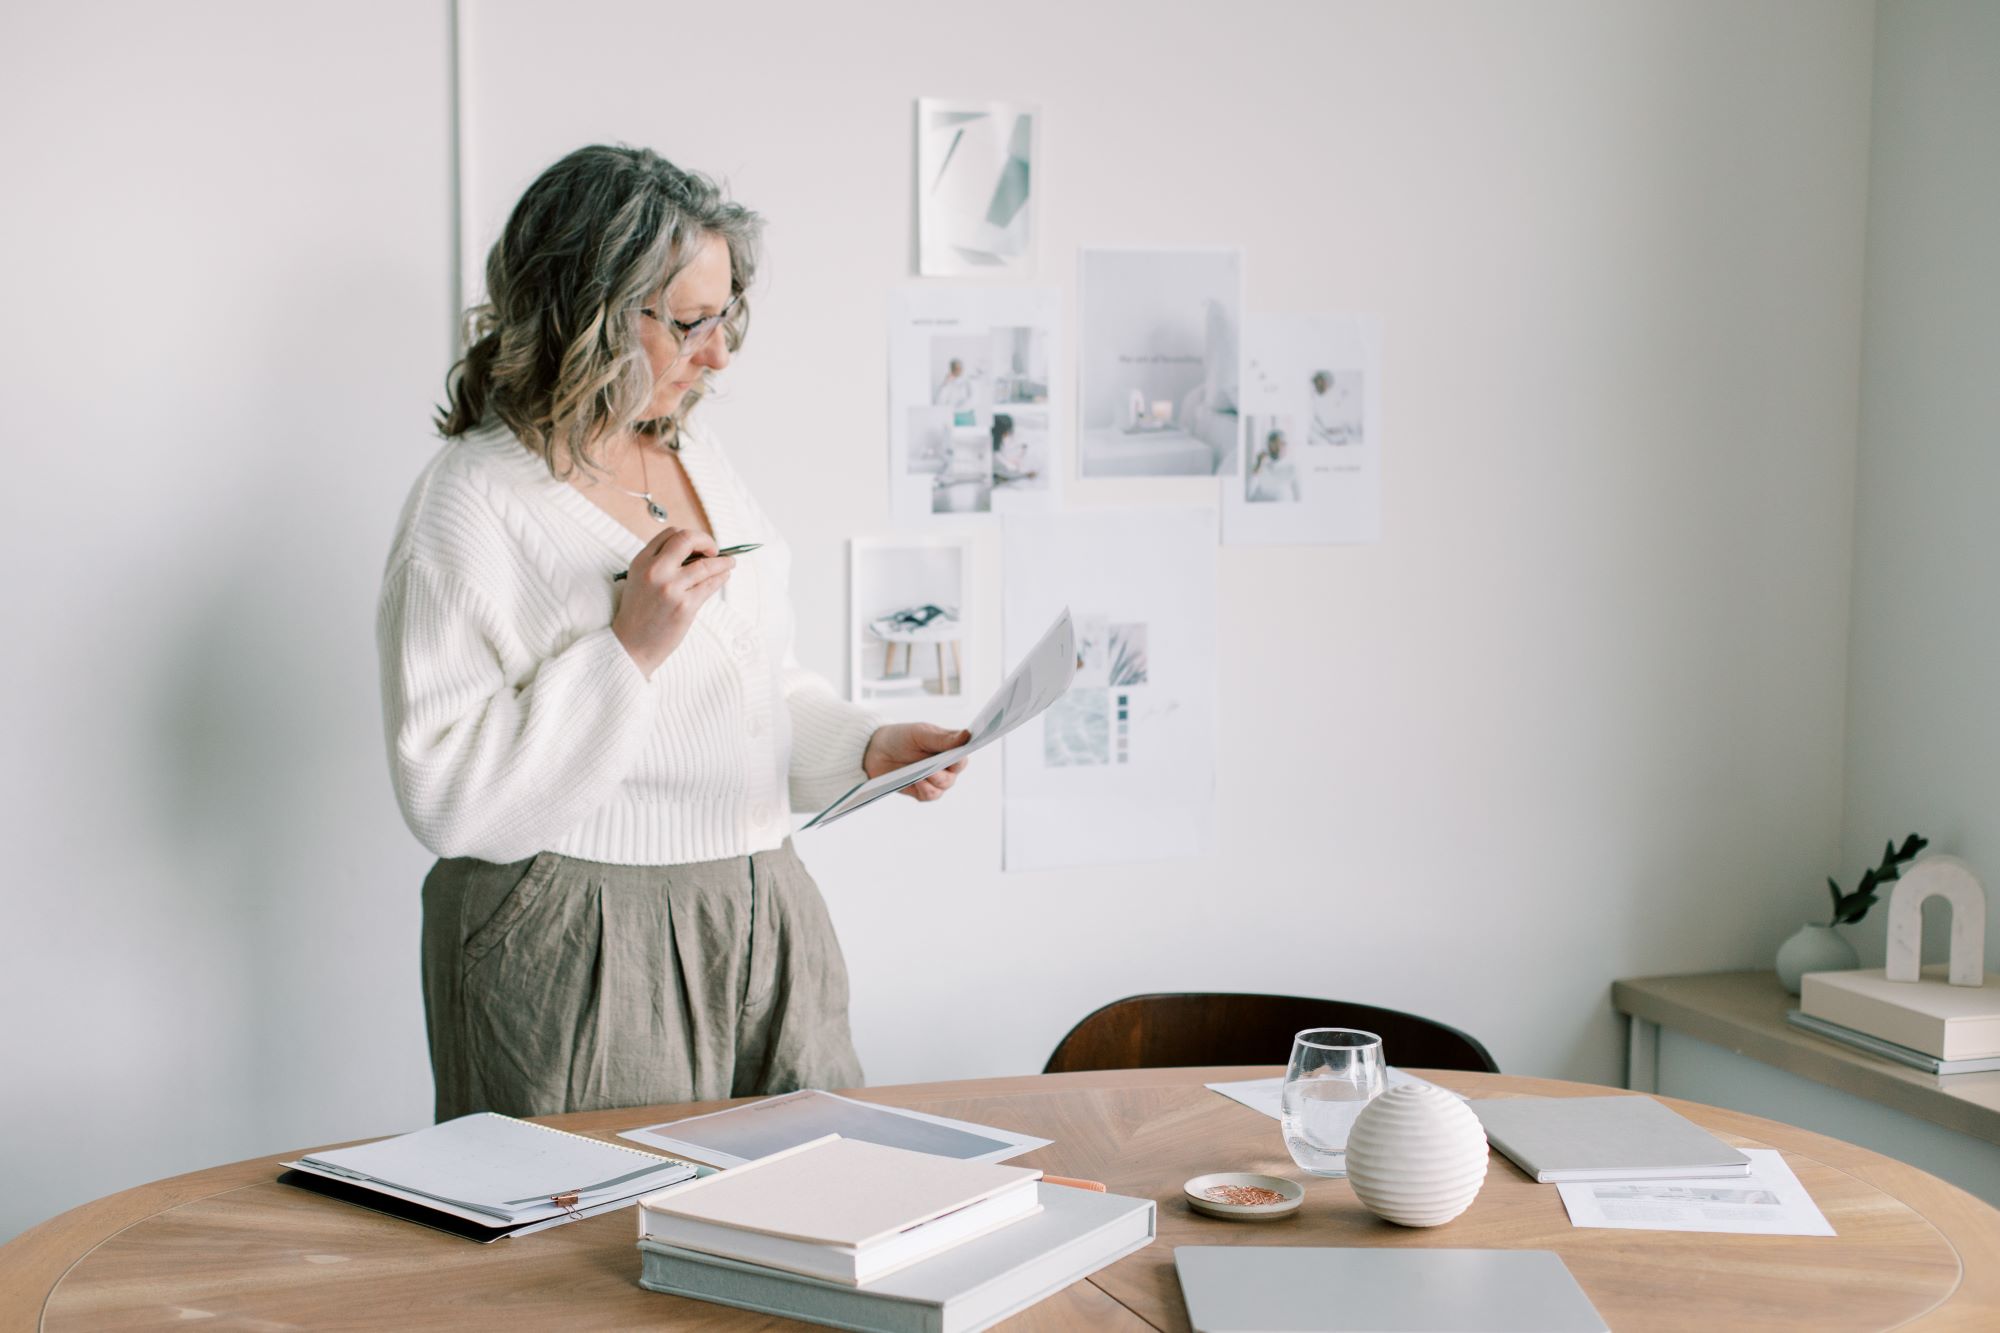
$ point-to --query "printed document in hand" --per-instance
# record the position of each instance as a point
(1769, 1201)
(1043, 677)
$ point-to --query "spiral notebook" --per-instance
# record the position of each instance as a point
(488, 1175)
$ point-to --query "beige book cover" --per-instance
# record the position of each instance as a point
(1931, 1015)
(837, 1192)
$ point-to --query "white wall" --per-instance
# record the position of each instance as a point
(226, 279)
(1579, 716)
(1924, 736)
(1924, 752)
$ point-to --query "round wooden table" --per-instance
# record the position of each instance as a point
(229, 1248)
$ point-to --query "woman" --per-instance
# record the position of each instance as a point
(1010, 459)
(605, 765)
(1272, 477)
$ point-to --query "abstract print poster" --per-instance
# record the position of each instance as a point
(975, 195)
(972, 429)
(1122, 767)
(1312, 404)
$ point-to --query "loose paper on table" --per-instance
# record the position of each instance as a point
(1043, 676)
(1769, 1201)
(1267, 1095)
(745, 1133)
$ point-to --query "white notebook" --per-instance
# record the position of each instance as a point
(1309, 1289)
(1604, 1138)
(500, 1169)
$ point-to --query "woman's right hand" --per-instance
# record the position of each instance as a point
(662, 593)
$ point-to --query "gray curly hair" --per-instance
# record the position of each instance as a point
(554, 352)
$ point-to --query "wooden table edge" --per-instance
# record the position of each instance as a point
(34, 1263)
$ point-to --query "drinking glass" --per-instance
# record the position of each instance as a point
(1334, 1073)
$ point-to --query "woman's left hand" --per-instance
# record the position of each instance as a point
(902, 743)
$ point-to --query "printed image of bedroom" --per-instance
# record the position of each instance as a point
(1159, 370)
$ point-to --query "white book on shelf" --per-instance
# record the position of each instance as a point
(1929, 1015)
(1889, 1050)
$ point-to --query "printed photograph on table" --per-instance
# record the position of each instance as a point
(1159, 374)
(975, 188)
(908, 608)
(1122, 766)
(970, 386)
(1313, 460)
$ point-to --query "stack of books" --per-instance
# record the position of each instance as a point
(864, 1236)
(1928, 1024)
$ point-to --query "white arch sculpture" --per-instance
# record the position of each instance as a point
(1949, 878)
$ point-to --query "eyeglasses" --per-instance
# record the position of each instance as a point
(691, 337)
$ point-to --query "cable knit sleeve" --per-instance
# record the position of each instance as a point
(829, 736)
(829, 733)
(483, 767)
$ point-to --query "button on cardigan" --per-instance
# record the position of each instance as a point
(516, 721)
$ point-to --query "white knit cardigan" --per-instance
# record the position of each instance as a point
(517, 723)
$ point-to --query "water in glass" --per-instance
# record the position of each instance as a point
(1333, 1074)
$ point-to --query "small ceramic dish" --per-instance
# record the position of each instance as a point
(1222, 1182)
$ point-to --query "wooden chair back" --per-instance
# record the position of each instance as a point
(1177, 1030)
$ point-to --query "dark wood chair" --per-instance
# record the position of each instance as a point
(1164, 1031)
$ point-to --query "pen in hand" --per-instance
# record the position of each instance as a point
(727, 550)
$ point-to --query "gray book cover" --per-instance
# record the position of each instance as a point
(1310, 1289)
(1604, 1138)
(964, 1289)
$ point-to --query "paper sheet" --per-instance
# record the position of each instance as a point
(1122, 767)
(1040, 680)
(975, 188)
(974, 378)
(912, 626)
(1266, 1095)
(1312, 405)
(745, 1133)
(1770, 1201)
(502, 1168)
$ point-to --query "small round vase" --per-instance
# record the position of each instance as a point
(1416, 1156)
(1814, 949)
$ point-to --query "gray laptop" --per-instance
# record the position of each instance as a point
(1307, 1289)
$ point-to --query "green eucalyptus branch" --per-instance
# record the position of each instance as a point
(1849, 908)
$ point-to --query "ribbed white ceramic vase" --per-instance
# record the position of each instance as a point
(1416, 1156)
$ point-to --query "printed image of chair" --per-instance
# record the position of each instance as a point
(1212, 1028)
(908, 629)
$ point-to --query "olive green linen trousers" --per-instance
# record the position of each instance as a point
(555, 984)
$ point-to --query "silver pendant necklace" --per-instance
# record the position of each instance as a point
(653, 507)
